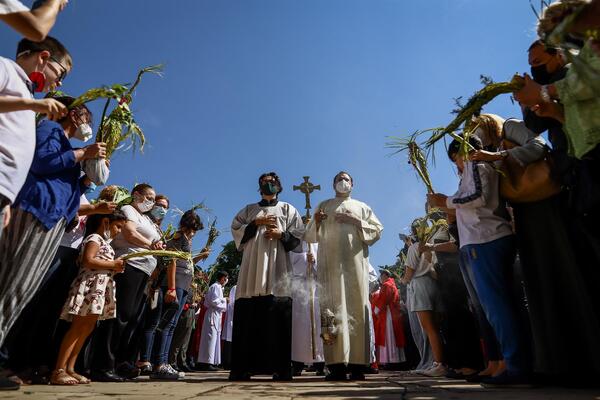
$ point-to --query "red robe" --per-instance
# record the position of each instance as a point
(388, 297)
(195, 345)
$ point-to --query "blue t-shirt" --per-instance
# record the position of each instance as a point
(52, 189)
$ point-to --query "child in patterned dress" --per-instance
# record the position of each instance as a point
(92, 294)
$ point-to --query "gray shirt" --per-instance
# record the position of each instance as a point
(146, 228)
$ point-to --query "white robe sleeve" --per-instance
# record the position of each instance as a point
(311, 235)
(370, 228)
(238, 228)
(214, 299)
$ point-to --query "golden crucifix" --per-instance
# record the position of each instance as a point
(307, 188)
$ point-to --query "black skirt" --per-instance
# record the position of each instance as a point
(262, 336)
(564, 324)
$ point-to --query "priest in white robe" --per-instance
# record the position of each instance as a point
(210, 339)
(307, 346)
(344, 228)
(262, 324)
(227, 334)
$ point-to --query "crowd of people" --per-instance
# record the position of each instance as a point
(502, 291)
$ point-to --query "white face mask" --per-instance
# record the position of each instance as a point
(107, 236)
(143, 204)
(84, 132)
(343, 187)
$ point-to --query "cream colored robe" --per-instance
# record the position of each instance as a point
(343, 277)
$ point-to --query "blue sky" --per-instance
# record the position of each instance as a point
(300, 87)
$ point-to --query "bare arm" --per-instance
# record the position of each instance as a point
(52, 108)
(37, 23)
(131, 234)
(90, 261)
(98, 208)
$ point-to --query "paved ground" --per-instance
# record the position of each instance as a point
(215, 386)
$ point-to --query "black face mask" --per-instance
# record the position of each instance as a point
(540, 74)
(269, 189)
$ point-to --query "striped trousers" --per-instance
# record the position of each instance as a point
(26, 250)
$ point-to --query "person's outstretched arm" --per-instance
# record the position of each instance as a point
(35, 24)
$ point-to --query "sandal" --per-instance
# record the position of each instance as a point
(82, 380)
(60, 377)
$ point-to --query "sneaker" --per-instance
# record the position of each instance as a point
(172, 370)
(8, 384)
(164, 374)
(508, 380)
(437, 370)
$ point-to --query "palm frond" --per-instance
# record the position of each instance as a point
(416, 157)
(104, 92)
(475, 104)
(169, 254)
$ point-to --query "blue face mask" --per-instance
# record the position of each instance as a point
(158, 212)
(91, 188)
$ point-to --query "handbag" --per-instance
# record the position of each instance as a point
(527, 184)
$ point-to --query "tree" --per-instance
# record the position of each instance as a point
(228, 260)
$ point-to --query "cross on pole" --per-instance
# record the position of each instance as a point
(307, 188)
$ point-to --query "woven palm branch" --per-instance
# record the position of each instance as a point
(169, 254)
(169, 232)
(416, 156)
(474, 105)
(213, 234)
(120, 127)
(121, 196)
(104, 92)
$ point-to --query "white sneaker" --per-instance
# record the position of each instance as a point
(181, 374)
(437, 370)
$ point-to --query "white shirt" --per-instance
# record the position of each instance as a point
(12, 6)
(74, 237)
(416, 261)
(17, 131)
(480, 216)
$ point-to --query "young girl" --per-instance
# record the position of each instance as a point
(92, 294)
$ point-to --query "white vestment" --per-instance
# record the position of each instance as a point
(210, 339)
(343, 278)
(228, 326)
(373, 286)
(306, 318)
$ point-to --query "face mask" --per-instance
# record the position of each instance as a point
(343, 187)
(142, 204)
(83, 132)
(226, 281)
(91, 188)
(106, 234)
(540, 74)
(269, 189)
(158, 212)
(38, 79)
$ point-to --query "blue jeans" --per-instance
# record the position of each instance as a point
(164, 337)
(491, 264)
(151, 320)
(490, 343)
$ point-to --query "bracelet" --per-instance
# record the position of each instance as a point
(172, 290)
(545, 95)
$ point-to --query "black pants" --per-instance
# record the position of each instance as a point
(262, 336)
(115, 340)
(35, 338)
(181, 337)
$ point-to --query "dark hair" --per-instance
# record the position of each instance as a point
(386, 272)
(93, 221)
(275, 178)
(50, 44)
(141, 187)
(454, 147)
(162, 197)
(221, 274)
(67, 101)
(340, 173)
(539, 42)
(191, 220)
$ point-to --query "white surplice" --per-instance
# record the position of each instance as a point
(228, 326)
(303, 284)
(210, 339)
(343, 278)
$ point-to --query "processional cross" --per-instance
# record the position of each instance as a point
(307, 188)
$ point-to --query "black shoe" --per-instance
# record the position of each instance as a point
(175, 367)
(357, 376)
(128, 371)
(145, 370)
(508, 380)
(336, 376)
(239, 376)
(184, 368)
(106, 376)
(202, 367)
(371, 371)
(283, 376)
(8, 384)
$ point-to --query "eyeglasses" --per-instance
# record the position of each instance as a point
(63, 71)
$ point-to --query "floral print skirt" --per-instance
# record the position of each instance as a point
(92, 292)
